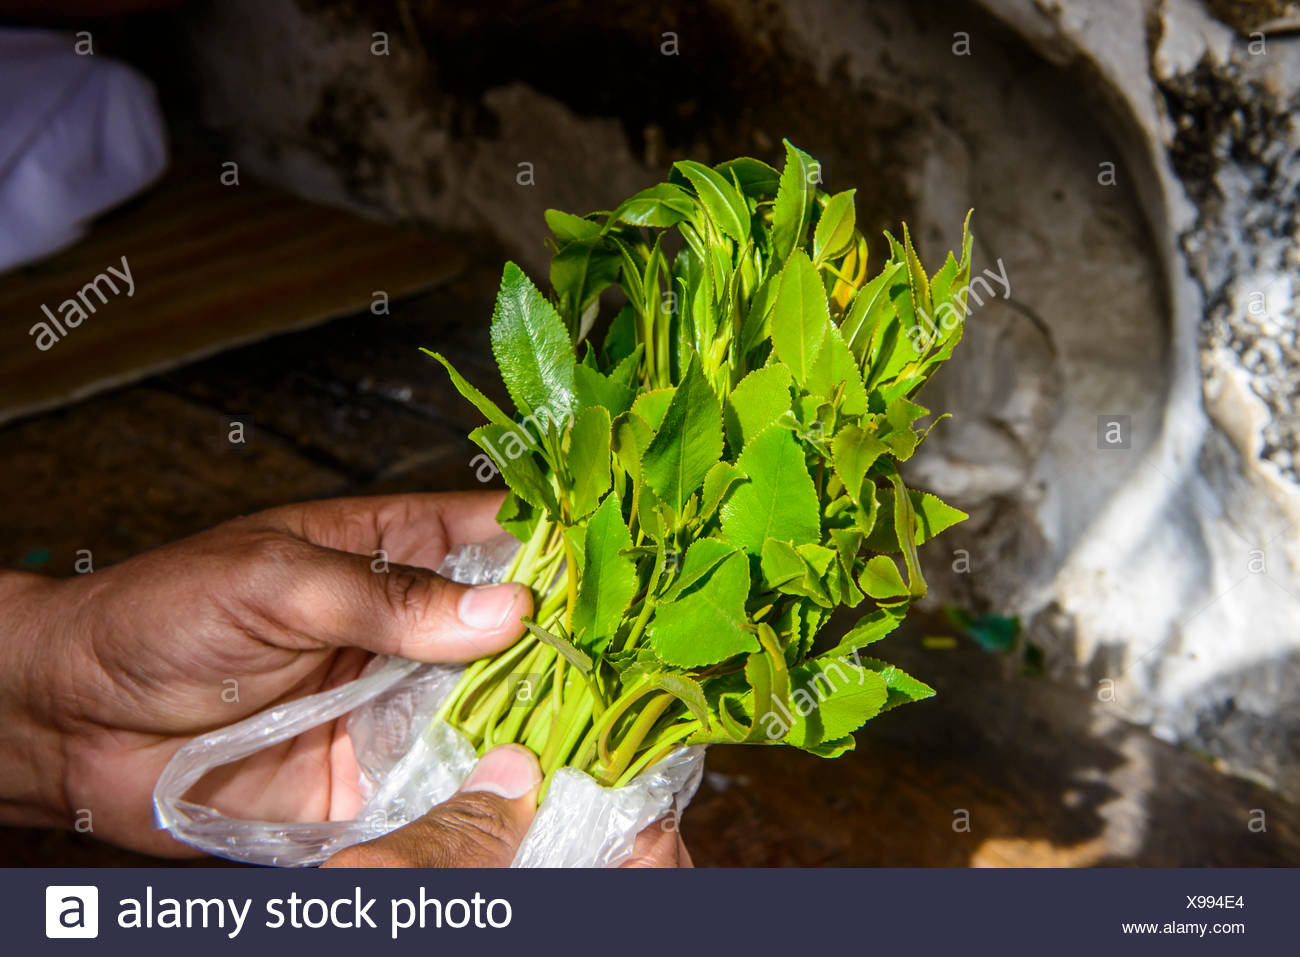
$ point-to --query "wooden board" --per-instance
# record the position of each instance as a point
(212, 266)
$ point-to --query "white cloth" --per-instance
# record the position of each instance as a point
(78, 135)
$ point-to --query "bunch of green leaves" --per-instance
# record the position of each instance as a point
(698, 491)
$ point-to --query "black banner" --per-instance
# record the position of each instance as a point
(195, 912)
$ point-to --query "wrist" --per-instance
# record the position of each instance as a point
(32, 765)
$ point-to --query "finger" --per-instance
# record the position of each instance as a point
(325, 597)
(482, 825)
(415, 529)
(659, 845)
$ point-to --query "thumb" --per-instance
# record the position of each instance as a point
(481, 825)
(341, 599)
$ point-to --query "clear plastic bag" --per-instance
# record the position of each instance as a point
(408, 763)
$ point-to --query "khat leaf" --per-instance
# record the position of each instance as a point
(688, 691)
(706, 625)
(757, 180)
(631, 437)
(589, 450)
(653, 405)
(725, 206)
(832, 698)
(881, 579)
(609, 579)
(756, 402)
(688, 442)
(871, 306)
(717, 483)
(800, 316)
(834, 230)
(793, 209)
(568, 227)
(932, 515)
(575, 656)
(778, 500)
(835, 365)
(481, 402)
(513, 458)
(870, 628)
(903, 688)
(592, 388)
(704, 555)
(532, 347)
(853, 452)
(662, 205)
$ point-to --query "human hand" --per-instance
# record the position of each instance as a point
(483, 824)
(112, 672)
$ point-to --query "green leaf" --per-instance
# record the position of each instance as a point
(756, 402)
(757, 327)
(703, 556)
(589, 448)
(661, 205)
(903, 688)
(592, 388)
(706, 625)
(833, 748)
(688, 442)
(725, 206)
(793, 208)
(932, 515)
(625, 373)
(620, 340)
(580, 271)
(833, 698)
(869, 628)
(481, 402)
(881, 579)
(631, 437)
(575, 537)
(574, 656)
(518, 517)
(781, 563)
(819, 557)
(835, 365)
(917, 281)
(871, 307)
(568, 227)
(902, 412)
(609, 579)
(757, 180)
(717, 483)
(532, 347)
(778, 499)
(853, 451)
(834, 230)
(688, 691)
(648, 513)
(653, 405)
(514, 460)
(800, 317)
(797, 571)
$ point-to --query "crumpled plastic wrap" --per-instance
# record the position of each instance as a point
(408, 763)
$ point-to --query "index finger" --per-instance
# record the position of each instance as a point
(418, 528)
